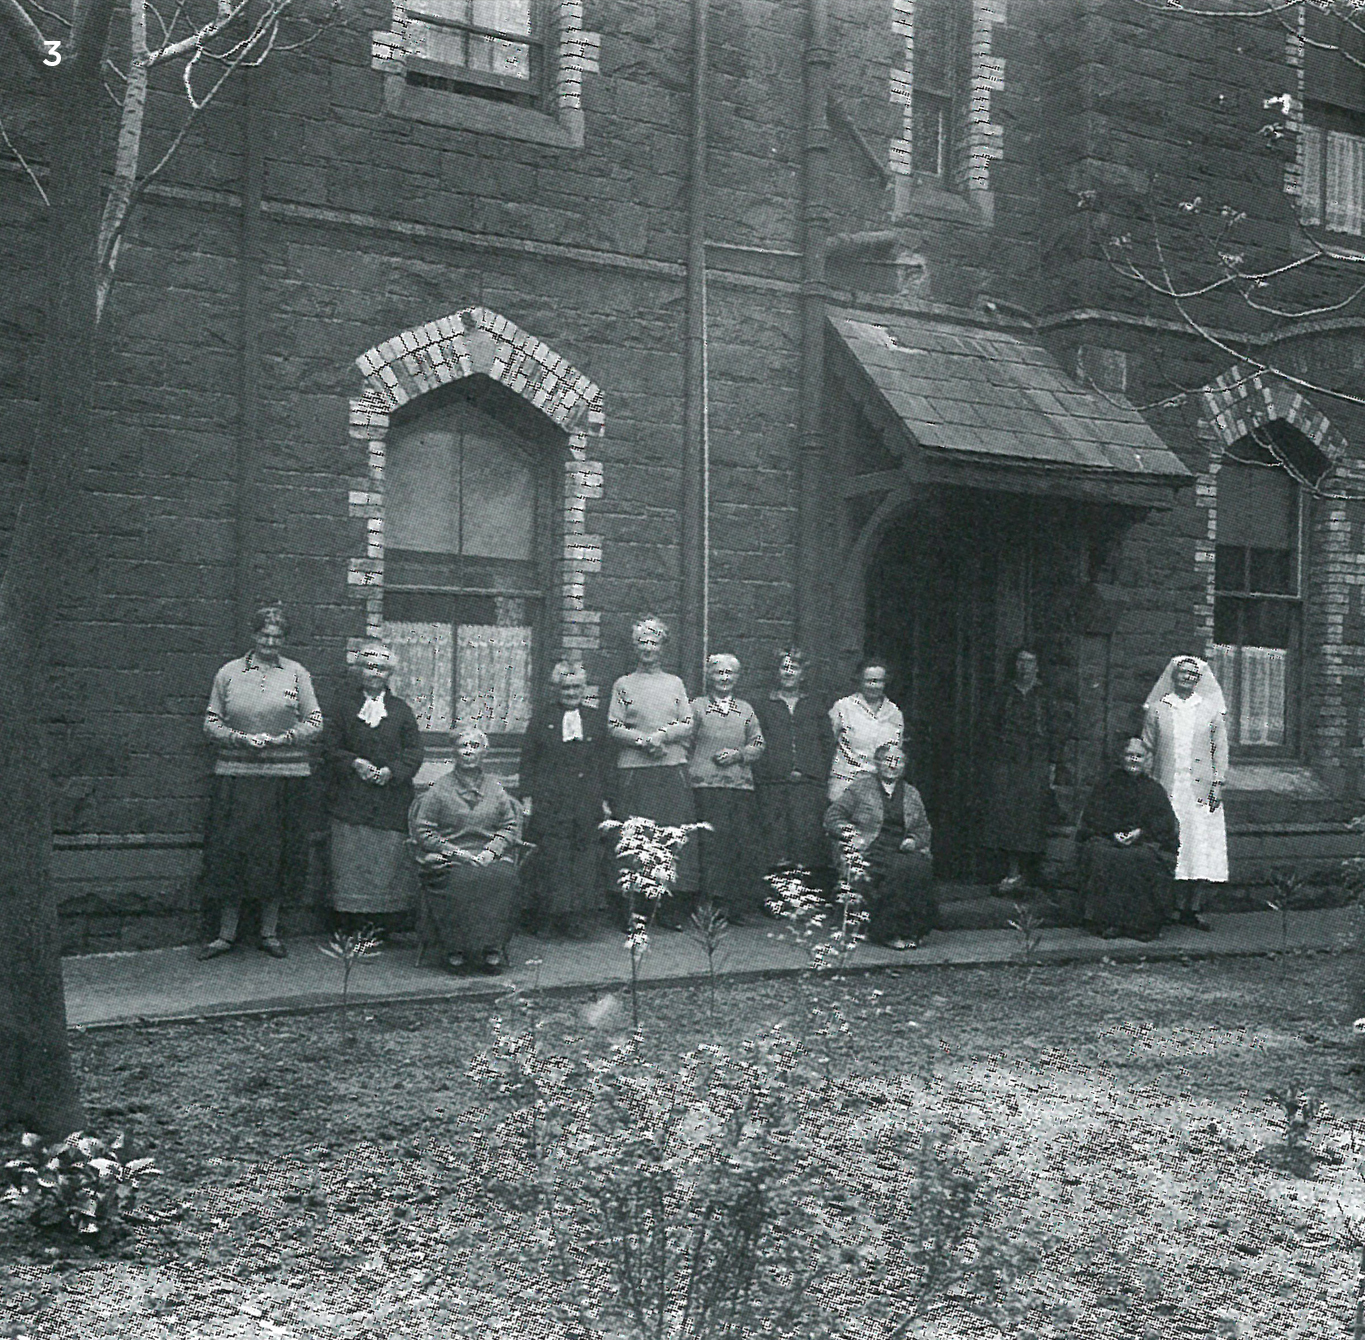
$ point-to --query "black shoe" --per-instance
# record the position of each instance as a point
(492, 964)
(274, 946)
(215, 948)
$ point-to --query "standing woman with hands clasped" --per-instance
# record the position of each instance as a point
(374, 747)
(262, 713)
(1185, 731)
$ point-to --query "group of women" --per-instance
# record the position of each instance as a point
(780, 783)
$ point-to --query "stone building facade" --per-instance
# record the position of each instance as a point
(512, 344)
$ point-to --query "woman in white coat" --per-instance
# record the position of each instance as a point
(1186, 732)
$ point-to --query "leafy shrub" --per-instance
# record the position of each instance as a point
(79, 1185)
(727, 1195)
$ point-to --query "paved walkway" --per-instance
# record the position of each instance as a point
(170, 984)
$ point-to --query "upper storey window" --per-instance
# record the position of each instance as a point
(489, 48)
(938, 39)
(1332, 142)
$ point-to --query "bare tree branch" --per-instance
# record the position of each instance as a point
(24, 163)
(28, 37)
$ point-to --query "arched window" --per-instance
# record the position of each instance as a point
(1258, 602)
(467, 544)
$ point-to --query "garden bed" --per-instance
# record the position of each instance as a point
(1120, 1111)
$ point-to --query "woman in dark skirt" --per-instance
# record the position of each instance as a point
(466, 828)
(883, 817)
(262, 713)
(726, 742)
(1022, 772)
(791, 774)
(374, 748)
(651, 719)
(1126, 845)
(563, 776)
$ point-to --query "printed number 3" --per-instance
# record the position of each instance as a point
(54, 53)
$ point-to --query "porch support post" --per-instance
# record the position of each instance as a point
(811, 603)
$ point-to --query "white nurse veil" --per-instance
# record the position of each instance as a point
(1206, 688)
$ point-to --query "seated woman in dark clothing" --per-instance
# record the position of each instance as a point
(883, 817)
(1126, 847)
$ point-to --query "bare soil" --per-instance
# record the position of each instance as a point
(310, 1189)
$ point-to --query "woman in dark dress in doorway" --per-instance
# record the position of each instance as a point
(1022, 772)
(566, 757)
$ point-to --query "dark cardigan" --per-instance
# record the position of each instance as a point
(396, 743)
(800, 740)
(566, 782)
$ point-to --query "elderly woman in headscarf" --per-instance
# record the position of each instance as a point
(650, 718)
(882, 817)
(563, 779)
(1186, 732)
(1126, 846)
(466, 828)
(262, 714)
(791, 773)
(374, 749)
(726, 742)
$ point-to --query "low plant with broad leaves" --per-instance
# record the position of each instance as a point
(79, 1185)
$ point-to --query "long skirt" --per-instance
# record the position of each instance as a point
(731, 873)
(469, 910)
(1017, 813)
(256, 843)
(1128, 888)
(901, 901)
(562, 875)
(662, 794)
(372, 870)
(1203, 835)
(793, 816)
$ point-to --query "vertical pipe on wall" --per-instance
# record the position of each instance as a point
(694, 606)
(812, 481)
(248, 405)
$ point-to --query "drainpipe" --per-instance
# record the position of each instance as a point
(246, 597)
(812, 476)
(695, 609)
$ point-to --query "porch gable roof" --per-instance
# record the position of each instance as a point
(985, 408)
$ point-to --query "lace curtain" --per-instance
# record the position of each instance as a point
(424, 674)
(478, 673)
(1345, 182)
(1254, 679)
(493, 675)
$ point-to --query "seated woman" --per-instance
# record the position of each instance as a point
(1126, 847)
(883, 817)
(465, 828)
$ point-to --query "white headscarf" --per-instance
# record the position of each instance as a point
(1206, 688)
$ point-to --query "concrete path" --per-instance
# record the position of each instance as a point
(105, 990)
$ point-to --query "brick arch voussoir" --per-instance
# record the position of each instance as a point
(475, 340)
(1243, 399)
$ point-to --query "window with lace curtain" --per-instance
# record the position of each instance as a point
(1258, 603)
(464, 565)
(1332, 141)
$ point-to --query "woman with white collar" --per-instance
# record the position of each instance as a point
(726, 742)
(1186, 731)
(374, 748)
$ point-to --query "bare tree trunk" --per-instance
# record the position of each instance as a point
(37, 1086)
